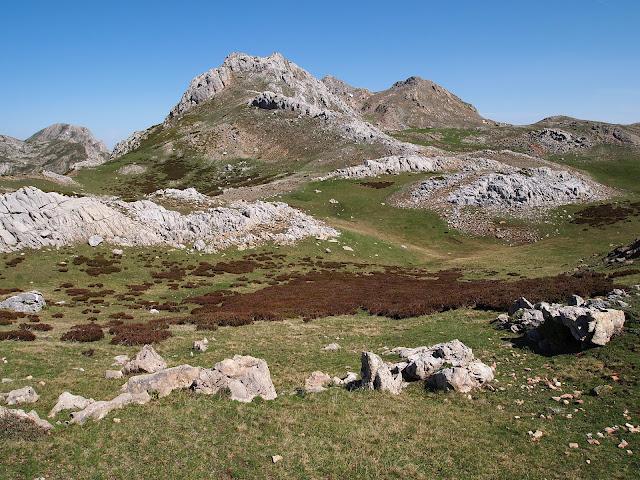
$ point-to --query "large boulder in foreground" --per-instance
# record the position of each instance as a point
(27, 302)
(243, 376)
(16, 418)
(146, 360)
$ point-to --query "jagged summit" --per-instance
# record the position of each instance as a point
(273, 73)
(59, 148)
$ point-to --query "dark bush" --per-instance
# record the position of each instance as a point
(21, 335)
(88, 332)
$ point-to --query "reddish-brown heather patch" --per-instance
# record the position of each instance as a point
(623, 273)
(88, 332)
(58, 315)
(6, 291)
(14, 262)
(121, 316)
(40, 327)
(606, 214)
(376, 185)
(205, 269)
(139, 333)
(21, 335)
(395, 295)
(99, 265)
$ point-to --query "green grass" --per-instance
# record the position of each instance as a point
(335, 434)
(612, 165)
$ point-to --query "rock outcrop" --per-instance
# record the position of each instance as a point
(98, 410)
(68, 401)
(27, 302)
(58, 148)
(31, 218)
(20, 395)
(190, 195)
(146, 360)
(278, 74)
(625, 253)
(243, 377)
(556, 328)
(163, 382)
(393, 165)
(11, 415)
(445, 366)
(535, 187)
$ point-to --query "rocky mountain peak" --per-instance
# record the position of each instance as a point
(273, 73)
(60, 147)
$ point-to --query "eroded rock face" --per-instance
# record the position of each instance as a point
(394, 165)
(21, 395)
(31, 418)
(146, 360)
(31, 218)
(98, 410)
(163, 382)
(190, 195)
(28, 302)
(244, 377)
(625, 253)
(68, 401)
(534, 187)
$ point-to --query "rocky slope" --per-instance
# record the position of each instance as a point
(30, 218)
(59, 148)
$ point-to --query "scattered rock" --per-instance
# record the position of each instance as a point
(276, 458)
(244, 377)
(99, 410)
(146, 360)
(113, 374)
(68, 401)
(163, 382)
(377, 375)
(28, 302)
(201, 345)
(332, 347)
(462, 379)
(317, 382)
(21, 395)
(32, 418)
(120, 360)
(95, 240)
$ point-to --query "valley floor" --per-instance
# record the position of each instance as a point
(335, 433)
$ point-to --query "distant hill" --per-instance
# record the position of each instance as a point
(412, 103)
(59, 148)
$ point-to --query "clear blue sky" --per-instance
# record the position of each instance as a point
(118, 66)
